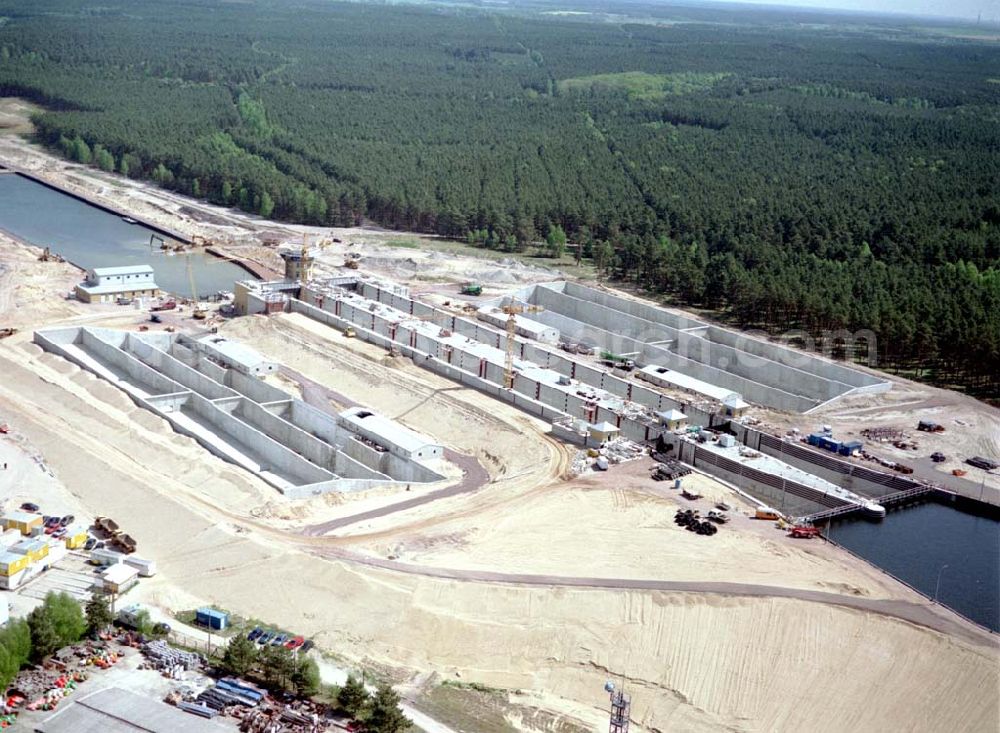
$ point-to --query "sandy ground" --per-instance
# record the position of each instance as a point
(972, 428)
(775, 661)
(692, 661)
(31, 291)
(629, 532)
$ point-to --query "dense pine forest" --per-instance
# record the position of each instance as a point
(785, 172)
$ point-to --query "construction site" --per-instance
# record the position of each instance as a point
(458, 469)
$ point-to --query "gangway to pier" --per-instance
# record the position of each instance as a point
(893, 499)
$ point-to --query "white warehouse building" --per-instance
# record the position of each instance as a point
(107, 284)
(390, 435)
(523, 326)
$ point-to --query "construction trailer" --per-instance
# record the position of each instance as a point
(212, 618)
(119, 578)
(24, 522)
(146, 568)
(104, 557)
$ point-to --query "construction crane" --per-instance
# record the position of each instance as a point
(512, 312)
(198, 312)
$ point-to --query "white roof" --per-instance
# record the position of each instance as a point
(522, 324)
(604, 427)
(123, 270)
(672, 415)
(389, 430)
(684, 381)
(234, 351)
(120, 573)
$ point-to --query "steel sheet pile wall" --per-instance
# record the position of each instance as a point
(764, 485)
(825, 465)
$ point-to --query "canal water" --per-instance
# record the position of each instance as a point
(91, 237)
(921, 543)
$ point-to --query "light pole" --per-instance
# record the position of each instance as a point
(937, 585)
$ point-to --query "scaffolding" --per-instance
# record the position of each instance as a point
(621, 706)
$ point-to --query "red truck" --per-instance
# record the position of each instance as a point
(168, 306)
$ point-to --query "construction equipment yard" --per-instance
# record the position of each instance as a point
(491, 562)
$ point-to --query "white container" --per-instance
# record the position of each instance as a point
(146, 568)
(106, 557)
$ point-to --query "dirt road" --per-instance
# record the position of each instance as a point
(926, 615)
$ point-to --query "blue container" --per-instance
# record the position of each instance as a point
(211, 618)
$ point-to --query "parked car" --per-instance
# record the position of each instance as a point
(50, 529)
(307, 645)
(279, 640)
(29, 507)
(255, 634)
(266, 637)
(90, 544)
(59, 533)
(52, 522)
(161, 628)
(67, 520)
(100, 545)
(294, 643)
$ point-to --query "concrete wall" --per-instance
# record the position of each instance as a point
(284, 436)
(148, 378)
(267, 451)
(179, 372)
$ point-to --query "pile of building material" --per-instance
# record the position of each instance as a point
(882, 434)
(164, 657)
(621, 450)
(669, 469)
(43, 689)
(285, 719)
(228, 692)
(580, 464)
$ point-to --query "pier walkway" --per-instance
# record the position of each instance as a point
(889, 500)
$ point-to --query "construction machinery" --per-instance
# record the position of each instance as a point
(9, 331)
(614, 360)
(47, 256)
(472, 289)
(308, 257)
(512, 311)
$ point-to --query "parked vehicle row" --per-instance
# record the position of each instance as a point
(266, 637)
(57, 526)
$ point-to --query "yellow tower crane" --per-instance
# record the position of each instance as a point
(512, 311)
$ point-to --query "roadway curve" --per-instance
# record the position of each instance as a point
(926, 615)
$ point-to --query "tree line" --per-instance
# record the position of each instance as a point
(777, 175)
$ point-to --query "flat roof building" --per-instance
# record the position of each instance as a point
(107, 284)
(390, 434)
(733, 404)
(236, 355)
(119, 578)
(522, 326)
(114, 710)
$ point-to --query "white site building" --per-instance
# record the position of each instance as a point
(107, 284)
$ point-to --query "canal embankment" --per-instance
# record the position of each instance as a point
(252, 267)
